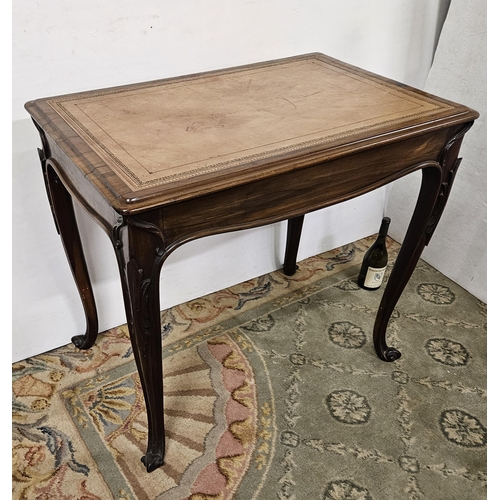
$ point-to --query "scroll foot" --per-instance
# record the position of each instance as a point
(390, 354)
(82, 342)
(152, 461)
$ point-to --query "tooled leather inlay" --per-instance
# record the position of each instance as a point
(159, 132)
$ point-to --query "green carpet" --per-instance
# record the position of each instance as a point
(272, 391)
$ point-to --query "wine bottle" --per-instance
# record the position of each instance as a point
(374, 263)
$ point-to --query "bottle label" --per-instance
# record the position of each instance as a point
(374, 277)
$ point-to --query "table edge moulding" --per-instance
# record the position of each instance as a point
(160, 163)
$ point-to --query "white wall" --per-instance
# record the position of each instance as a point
(458, 246)
(61, 47)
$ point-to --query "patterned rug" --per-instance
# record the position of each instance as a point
(272, 390)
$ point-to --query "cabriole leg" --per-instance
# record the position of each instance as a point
(437, 180)
(407, 259)
(141, 265)
(294, 230)
(64, 216)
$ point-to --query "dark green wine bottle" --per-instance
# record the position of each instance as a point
(374, 263)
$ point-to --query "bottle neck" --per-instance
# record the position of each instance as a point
(384, 228)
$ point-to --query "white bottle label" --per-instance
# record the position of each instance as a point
(374, 277)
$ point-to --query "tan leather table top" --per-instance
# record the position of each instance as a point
(155, 136)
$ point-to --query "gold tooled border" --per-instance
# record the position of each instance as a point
(135, 183)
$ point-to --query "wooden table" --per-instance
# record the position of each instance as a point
(160, 163)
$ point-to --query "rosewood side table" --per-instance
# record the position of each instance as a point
(160, 163)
